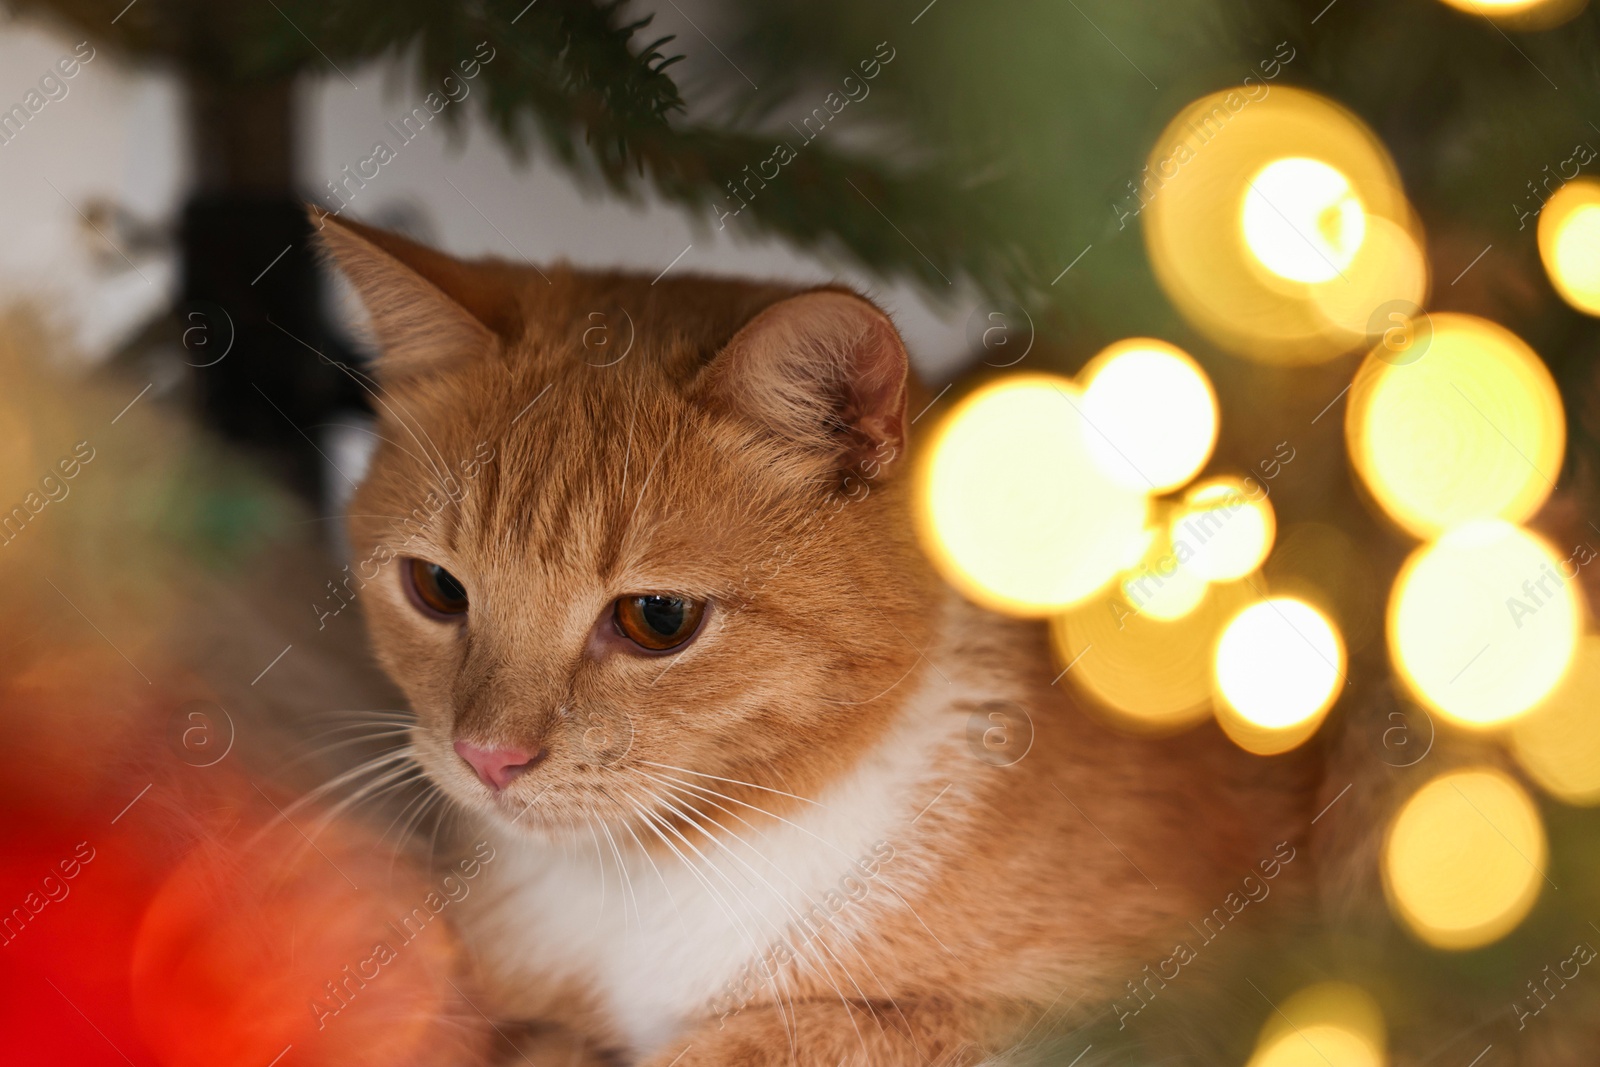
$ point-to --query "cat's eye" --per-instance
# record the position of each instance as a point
(433, 589)
(658, 623)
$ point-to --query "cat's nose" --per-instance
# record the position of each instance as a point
(497, 767)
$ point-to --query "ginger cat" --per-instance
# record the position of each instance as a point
(672, 648)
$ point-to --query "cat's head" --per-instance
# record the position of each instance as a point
(629, 544)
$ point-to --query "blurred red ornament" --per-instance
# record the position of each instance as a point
(281, 947)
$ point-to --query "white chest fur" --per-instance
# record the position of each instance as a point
(663, 942)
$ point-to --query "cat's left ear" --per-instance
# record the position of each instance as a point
(427, 309)
(824, 370)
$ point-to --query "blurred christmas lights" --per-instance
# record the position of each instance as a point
(1163, 585)
(1152, 414)
(1302, 221)
(1522, 14)
(1283, 238)
(1472, 428)
(1465, 858)
(1150, 674)
(1013, 508)
(1482, 625)
(1227, 529)
(1569, 243)
(1279, 666)
(1330, 1023)
(1558, 743)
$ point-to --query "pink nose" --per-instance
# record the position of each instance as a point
(497, 767)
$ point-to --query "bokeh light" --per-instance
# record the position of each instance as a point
(1279, 666)
(1383, 280)
(1302, 220)
(241, 953)
(1471, 428)
(1163, 586)
(1224, 528)
(1522, 14)
(1152, 414)
(1012, 506)
(1330, 1023)
(1278, 226)
(1465, 858)
(1569, 243)
(1481, 622)
(1150, 675)
(1323, 564)
(1558, 743)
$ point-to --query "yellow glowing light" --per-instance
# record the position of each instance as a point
(1522, 14)
(1279, 666)
(1471, 428)
(1318, 1045)
(1558, 743)
(1162, 585)
(1380, 286)
(1012, 507)
(1277, 224)
(1149, 674)
(1482, 625)
(1569, 243)
(1224, 529)
(1152, 414)
(1302, 220)
(1465, 858)
(1330, 1023)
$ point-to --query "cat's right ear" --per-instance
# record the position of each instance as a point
(427, 309)
(825, 371)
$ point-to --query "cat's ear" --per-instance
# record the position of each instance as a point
(824, 370)
(427, 309)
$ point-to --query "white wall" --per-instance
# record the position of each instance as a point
(117, 137)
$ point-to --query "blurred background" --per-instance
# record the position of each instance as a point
(1262, 343)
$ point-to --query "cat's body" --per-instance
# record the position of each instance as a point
(926, 881)
(791, 836)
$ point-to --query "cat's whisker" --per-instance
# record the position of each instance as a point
(628, 826)
(855, 703)
(308, 834)
(807, 946)
(376, 763)
(627, 454)
(389, 773)
(377, 392)
(359, 713)
(796, 912)
(626, 877)
(377, 723)
(709, 792)
(421, 802)
(354, 726)
(661, 826)
(762, 856)
(434, 460)
(600, 912)
(387, 440)
(733, 781)
(913, 912)
(324, 750)
(447, 812)
(360, 719)
(431, 797)
(780, 935)
(395, 778)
